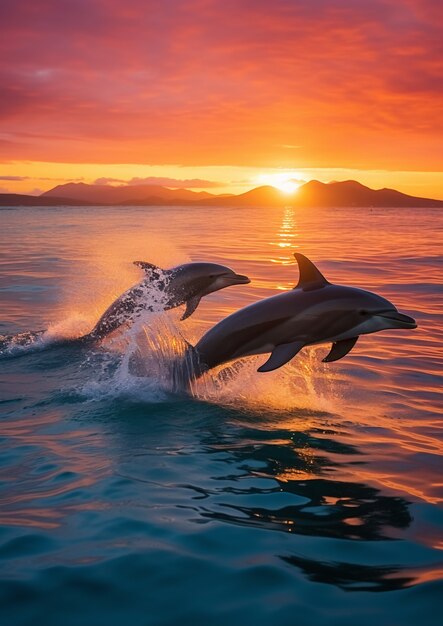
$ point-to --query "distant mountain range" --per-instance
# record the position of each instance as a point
(349, 193)
(125, 194)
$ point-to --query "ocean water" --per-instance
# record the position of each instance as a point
(311, 495)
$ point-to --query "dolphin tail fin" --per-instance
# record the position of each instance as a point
(310, 276)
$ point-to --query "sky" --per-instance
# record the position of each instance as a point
(221, 95)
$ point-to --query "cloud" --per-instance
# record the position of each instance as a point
(16, 178)
(32, 192)
(65, 180)
(107, 181)
(236, 83)
(187, 183)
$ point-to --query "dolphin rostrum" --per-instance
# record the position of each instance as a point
(184, 284)
(314, 312)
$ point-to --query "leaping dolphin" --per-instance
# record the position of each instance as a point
(314, 312)
(159, 290)
(184, 284)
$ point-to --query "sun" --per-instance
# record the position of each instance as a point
(289, 186)
(286, 182)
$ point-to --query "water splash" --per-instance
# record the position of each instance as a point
(303, 384)
(146, 295)
(143, 357)
(146, 357)
(148, 362)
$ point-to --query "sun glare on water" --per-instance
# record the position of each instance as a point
(286, 182)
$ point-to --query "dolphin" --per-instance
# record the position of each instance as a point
(184, 284)
(314, 312)
(159, 290)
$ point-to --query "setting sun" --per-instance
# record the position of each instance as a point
(288, 187)
(287, 182)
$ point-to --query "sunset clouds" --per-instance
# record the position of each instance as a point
(288, 83)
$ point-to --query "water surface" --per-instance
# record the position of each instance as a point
(309, 495)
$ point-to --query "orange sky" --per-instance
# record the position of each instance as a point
(226, 91)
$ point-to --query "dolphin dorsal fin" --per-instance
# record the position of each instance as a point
(310, 277)
(148, 267)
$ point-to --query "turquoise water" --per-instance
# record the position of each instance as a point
(309, 495)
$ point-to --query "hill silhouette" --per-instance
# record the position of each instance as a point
(348, 193)
(313, 194)
(124, 194)
(19, 199)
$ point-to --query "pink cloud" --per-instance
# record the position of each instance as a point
(206, 82)
(14, 178)
(175, 183)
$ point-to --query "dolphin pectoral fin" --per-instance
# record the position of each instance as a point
(281, 355)
(310, 276)
(340, 349)
(191, 305)
(147, 267)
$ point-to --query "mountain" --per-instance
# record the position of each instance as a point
(18, 199)
(349, 193)
(260, 196)
(125, 194)
(313, 194)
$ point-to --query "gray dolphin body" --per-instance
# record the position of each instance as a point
(184, 284)
(314, 312)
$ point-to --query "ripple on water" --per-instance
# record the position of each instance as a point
(123, 501)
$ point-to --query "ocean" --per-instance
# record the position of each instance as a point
(311, 495)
